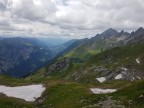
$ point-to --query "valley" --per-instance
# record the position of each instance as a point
(20, 57)
(106, 71)
(71, 53)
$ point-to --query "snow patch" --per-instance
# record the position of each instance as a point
(102, 91)
(28, 93)
(138, 77)
(125, 69)
(137, 60)
(102, 79)
(119, 76)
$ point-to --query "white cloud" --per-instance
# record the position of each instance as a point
(72, 18)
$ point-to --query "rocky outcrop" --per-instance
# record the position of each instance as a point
(125, 73)
(60, 65)
(85, 49)
(137, 36)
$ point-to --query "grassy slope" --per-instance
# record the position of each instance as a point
(6, 102)
(62, 93)
(86, 50)
(133, 92)
(110, 59)
(120, 56)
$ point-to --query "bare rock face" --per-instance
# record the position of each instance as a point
(61, 65)
(137, 36)
(124, 73)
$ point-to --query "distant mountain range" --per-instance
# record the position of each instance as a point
(110, 38)
(20, 57)
(106, 71)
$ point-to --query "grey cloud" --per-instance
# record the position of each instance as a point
(71, 18)
(106, 12)
(4, 23)
(28, 10)
(3, 4)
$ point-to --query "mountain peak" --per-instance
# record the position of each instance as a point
(123, 33)
(111, 30)
(140, 29)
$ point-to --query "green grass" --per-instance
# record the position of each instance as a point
(7, 102)
(62, 91)
(119, 56)
(5, 80)
(65, 95)
(132, 92)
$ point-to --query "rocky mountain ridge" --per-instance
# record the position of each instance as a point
(122, 52)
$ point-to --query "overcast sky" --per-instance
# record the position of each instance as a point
(69, 18)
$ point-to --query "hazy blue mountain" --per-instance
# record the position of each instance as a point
(20, 57)
(53, 41)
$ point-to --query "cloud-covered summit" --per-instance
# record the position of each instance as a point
(68, 18)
